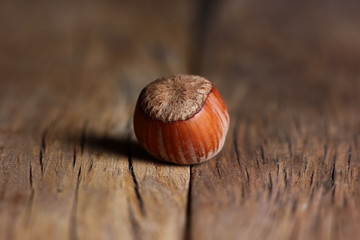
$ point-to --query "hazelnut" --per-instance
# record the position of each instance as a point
(181, 119)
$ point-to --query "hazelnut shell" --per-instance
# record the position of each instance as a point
(193, 140)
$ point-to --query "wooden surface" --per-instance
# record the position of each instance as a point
(70, 73)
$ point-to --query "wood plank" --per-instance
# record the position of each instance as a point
(71, 169)
(69, 165)
(290, 167)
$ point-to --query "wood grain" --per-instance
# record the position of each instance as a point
(70, 73)
(290, 169)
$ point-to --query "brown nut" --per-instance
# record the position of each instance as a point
(181, 119)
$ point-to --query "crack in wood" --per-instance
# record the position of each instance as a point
(257, 162)
(31, 198)
(42, 151)
(349, 153)
(235, 144)
(74, 158)
(270, 185)
(41, 161)
(262, 154)
(73, 222)
(218, 168)
(329, 183)
(30, 177)
(91, 165)
(285, 177)
(312, 178)
(247, 174)
(135, 182)
(333, 171)
(188, 217)
(43, 140)
(43, 145)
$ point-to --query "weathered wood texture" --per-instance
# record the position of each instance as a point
(70, 73)
(291, 167)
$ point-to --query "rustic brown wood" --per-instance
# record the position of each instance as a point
(70, 74)
(291, 166)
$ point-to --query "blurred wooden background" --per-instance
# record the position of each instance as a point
(70, 73)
